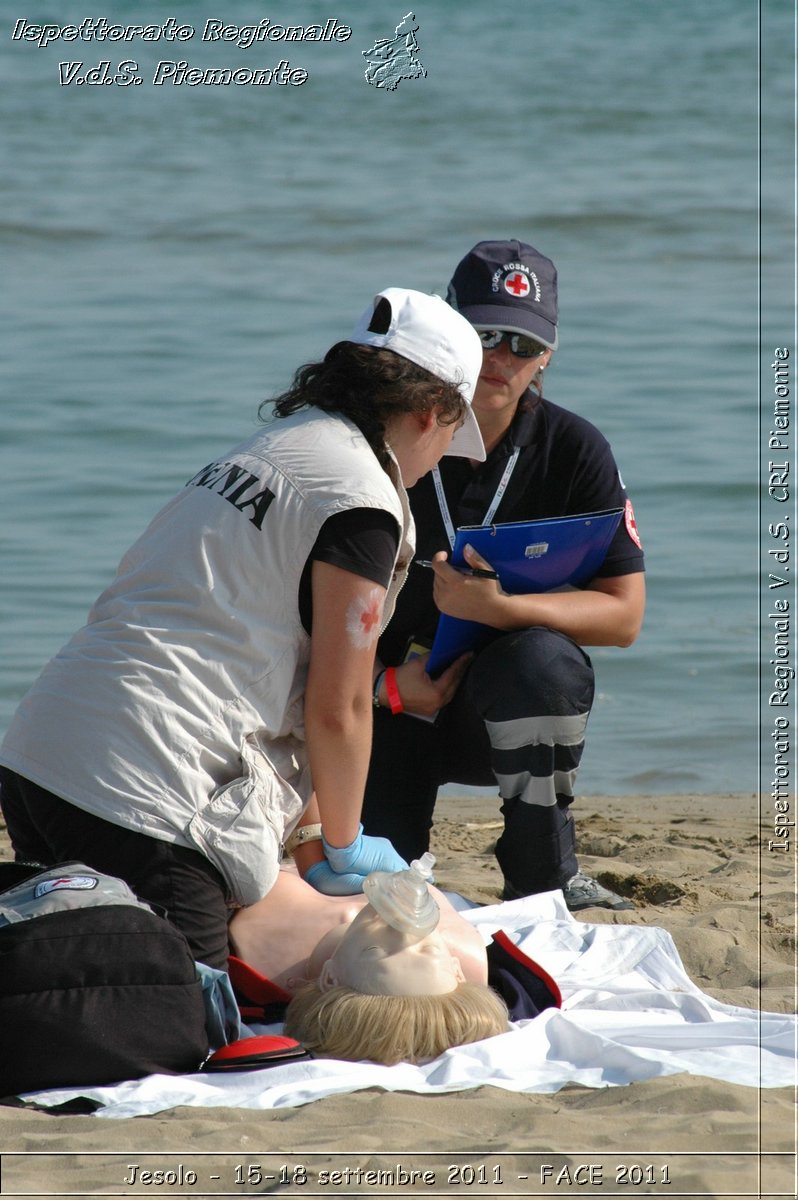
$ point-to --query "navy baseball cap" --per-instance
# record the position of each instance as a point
(510, 286)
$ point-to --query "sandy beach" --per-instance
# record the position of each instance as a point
(698, 866)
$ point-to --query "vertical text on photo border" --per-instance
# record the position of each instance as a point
(779, 578)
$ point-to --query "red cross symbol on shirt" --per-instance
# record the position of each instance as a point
(517, 283)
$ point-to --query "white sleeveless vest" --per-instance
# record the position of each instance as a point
(177, 711)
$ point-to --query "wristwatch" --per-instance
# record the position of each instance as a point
(307, 833)
(375, 695)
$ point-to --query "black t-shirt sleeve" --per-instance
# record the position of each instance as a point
(363, 541)
(625, 552)
(583, 458)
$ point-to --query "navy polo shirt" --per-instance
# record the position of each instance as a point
(565, 467)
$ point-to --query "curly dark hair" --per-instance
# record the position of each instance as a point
(369, 386)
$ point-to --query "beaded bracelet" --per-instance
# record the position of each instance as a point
(375, 695)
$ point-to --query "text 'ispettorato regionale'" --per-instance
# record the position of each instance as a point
(99, 29)
(176, 71)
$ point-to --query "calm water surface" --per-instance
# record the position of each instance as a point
(173, 253)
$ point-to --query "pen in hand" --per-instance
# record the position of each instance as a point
(478, 572)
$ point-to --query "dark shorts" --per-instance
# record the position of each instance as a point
(181, 882)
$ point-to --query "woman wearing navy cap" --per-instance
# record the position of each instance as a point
(516, 713)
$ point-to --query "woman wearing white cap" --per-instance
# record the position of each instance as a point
(221, 687)
(519, 717)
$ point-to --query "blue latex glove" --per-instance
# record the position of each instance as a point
(364, 855)
(323, 878)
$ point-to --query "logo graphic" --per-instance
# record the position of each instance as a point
(69, 883)
(363, 619)
(517, 280)
(393, 59)
(631, 524)
(516, 284)
(536, 550)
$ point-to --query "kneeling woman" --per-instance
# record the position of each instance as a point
(223, 682)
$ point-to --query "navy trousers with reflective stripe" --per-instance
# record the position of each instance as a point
(518, 720)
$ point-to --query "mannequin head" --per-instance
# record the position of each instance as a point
(389, 996)
(339, 1022)
(373, 958)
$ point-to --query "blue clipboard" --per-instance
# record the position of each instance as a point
(528, 556)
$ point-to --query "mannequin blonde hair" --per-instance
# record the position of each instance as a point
(342, 1023)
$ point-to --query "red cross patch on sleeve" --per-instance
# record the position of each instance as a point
(631, 524)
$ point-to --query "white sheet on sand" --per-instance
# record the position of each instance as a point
(629, 1013)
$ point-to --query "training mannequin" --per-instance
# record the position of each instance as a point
(288, 934)
(363, 989)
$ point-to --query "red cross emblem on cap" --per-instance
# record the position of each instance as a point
(516, 284)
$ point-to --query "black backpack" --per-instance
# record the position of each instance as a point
(95, 987)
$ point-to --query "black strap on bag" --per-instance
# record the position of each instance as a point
(95, 987)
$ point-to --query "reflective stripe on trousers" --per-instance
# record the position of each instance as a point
(534, 690)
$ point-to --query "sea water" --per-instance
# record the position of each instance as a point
(174, 251)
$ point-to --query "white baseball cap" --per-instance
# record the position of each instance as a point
(428, 332)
